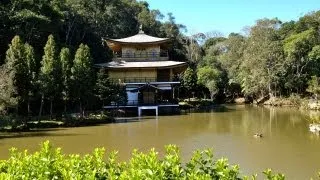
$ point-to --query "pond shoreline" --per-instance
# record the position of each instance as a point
(34, 126)
(193, 104)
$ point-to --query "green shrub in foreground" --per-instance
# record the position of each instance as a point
(50, 163)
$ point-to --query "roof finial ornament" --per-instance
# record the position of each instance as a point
(140, 29)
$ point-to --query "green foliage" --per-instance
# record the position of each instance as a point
(7, 91)
(50, 77)
(189, 79)
(83, 21)
(315, 53)
(118, 94)
(18, 76)
(297, 48)
(32, 71)
(313, 86)
(272, 176)
(212, 42)
(213, 88)
(206, 74)
(103, 88)
(51, 163)
(274, 58)
(50, 68)
(66, 64)
(262, 59)
(82, 76)
(233, 57)
(210, 78)
(17, 67)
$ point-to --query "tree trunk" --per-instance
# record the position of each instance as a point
(28, 107)
(28, 111)
(41, 107)
(65, 107)
(80, 109)
(51, 109)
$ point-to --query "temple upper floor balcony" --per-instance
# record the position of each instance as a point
(141, 56)
(143, 80)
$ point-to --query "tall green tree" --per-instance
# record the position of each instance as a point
(103, 87)
(48, 74)
(209, 77)
(82, 76)
(66, 65)
(263, 59)
(17, 67)
(232, 58)
(189, 80)
(7, 91)
(297, 48)
(32, 73)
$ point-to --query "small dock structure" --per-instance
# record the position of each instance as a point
(140, 108)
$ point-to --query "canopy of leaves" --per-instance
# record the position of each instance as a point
(82, 73)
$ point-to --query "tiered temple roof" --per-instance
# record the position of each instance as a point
(141, 64)
(141, 37)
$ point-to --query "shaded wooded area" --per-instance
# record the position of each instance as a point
(53, 44)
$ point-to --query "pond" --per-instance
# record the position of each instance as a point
(287, 146)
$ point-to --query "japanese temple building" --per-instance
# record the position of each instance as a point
(142, 63)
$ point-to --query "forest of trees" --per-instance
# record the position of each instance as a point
(48, 49)
(271, 58)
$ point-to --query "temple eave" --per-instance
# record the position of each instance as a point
(140, 65)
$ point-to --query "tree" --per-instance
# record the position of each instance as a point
(297, 48)
(210, 78)
(212, 42)
(314, 57)
(82, 80)
(103, 89)
(66, 65)
(206, 74)
(32, 73)
(7, 91)
(193, 48)
(119, 93)
(263, 59)
(49, 74)
(189, 80)
(213, 88)
(17, 68)
(314, 86)
(232, 58)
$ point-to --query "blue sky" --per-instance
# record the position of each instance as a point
(231, 15)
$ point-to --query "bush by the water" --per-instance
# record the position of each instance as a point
(51, 163)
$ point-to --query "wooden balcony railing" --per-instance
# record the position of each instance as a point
(145, 79)
(142, 55)
(141, 103)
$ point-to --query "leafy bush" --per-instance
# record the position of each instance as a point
(50, 163)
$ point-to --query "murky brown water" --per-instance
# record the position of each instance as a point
(287, 145)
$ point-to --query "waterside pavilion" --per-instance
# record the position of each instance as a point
(142, 63)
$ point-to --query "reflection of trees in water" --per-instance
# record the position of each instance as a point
(250, 120)
(314, 136)
(312, 116)
(243, 121)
